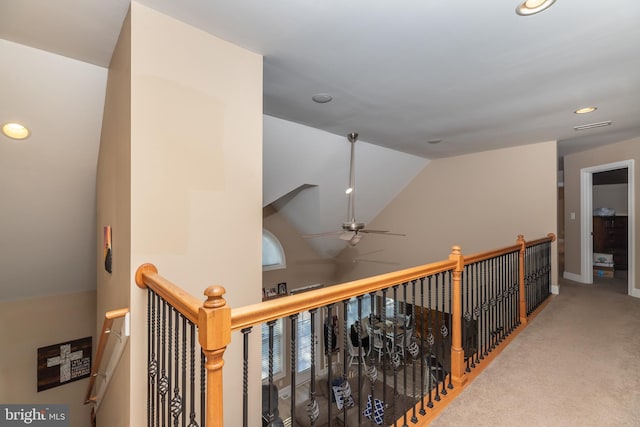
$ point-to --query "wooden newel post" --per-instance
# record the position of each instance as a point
(521, 283)
(214, 334)
(458, 375)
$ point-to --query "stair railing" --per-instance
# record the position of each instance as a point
(96, 390)
(478, 310)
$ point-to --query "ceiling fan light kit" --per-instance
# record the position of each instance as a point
(352, 229)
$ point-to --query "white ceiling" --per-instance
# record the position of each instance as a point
(473, 74)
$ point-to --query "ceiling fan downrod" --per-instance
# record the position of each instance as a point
(351, 224)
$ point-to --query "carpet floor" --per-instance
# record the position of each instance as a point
(576, 364)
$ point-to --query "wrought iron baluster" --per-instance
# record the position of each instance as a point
(439, 358)
(515, 266)
(203, 388)
(345, 352)
(485, 307)
(163, 386)
(183, 368)
(312, 409)
(466, 324)
(294, 355)
(422, 356)
(506, 286)
(169, 363)
(159, 355)
(192, 376)
(414, 346)
(176, 401)
(499, 307)
(472, 278)
(328, 352)
(444, 332)
(150, 355)
(394, 357)
(245, 375)
(360, 356)
(270, 409)
(384, 359)
(449, 278)
(430, 342)
(493, 302)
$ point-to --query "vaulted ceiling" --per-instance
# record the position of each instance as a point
(474, 75)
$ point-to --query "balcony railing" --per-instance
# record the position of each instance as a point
(418, 335)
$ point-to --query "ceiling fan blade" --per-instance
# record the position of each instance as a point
(381, 232)
(325, 234)
(346, 235)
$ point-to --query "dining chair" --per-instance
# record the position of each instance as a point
(398, 344)
(378, 341)
(355, 353)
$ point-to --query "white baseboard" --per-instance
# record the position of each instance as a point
(635, 293)
(572, 277)
(284, 392)
(555, 289)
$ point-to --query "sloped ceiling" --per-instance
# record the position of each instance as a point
(47, 220)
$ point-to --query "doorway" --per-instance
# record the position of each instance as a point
(586, 212)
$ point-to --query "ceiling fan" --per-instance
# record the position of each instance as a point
(352, 230)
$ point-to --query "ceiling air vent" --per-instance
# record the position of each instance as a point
(592, 125)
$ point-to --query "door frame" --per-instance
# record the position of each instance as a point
(586, 221)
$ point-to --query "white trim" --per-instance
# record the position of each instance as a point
(631, 194)
(573, 277)
(270, 236)
(284, 393)
(116, 355)
(555, 289)
(586, 226)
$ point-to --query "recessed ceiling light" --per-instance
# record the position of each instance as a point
(531, 7)
(15, 131)
(322, 98)
(585, 110)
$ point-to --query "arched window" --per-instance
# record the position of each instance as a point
(272, 252)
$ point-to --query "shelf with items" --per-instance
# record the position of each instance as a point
(610, 236)
(275, 292)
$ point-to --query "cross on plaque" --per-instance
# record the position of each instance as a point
(64, 360)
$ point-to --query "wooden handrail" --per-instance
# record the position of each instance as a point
(483, 256)
(109, 317)
(147, 277)
(250, 315)
(550, 238)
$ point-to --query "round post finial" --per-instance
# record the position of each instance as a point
(214, 297)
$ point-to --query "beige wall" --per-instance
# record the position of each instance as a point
(479, 201)
(43, 322)
(113, 208)
(196, 184)
(303, 265)
(573, 163)
(179, 180)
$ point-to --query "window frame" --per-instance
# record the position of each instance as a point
(271, 238)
